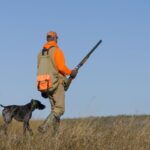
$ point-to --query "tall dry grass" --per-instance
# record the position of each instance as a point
(93, 133)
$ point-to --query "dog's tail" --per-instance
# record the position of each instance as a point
(2, 105)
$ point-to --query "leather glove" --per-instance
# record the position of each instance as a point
(44, 95)
(74, 73)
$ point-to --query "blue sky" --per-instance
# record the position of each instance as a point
(116, 78)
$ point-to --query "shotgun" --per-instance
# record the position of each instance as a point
(69, 80)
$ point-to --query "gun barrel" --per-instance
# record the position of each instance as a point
(69, 80)
(88, 55)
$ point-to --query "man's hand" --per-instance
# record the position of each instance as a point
(44, 95)
(74, 73)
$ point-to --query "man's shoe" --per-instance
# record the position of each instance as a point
(42, 129)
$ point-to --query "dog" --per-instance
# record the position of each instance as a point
(21, 113)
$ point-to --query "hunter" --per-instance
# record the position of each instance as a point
(57, 73)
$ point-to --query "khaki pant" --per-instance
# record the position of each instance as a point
(57, 101)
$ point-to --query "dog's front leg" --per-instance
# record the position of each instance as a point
(29, 129)
(24, 128)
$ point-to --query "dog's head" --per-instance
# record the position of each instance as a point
(37, 104)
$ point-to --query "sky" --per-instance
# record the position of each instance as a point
(116, 78)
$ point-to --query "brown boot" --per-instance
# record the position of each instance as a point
(47, 123)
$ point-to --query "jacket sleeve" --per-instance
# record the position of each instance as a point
(60, 62)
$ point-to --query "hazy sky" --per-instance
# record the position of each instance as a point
(116, 78)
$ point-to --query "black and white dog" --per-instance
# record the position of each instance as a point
(21, 113)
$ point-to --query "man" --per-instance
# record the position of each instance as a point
(56, 97)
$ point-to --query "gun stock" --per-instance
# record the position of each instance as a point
(67, 83)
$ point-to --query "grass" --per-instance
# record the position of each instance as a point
(92, 133)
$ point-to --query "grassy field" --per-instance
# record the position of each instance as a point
(93, 133)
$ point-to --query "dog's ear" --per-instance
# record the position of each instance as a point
(32, 100)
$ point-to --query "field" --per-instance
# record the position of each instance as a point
(92, 133)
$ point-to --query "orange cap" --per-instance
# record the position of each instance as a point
(52, 34)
